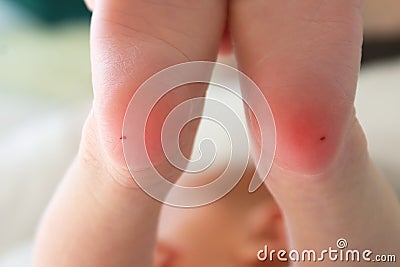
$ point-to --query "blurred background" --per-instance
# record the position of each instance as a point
(45, 94)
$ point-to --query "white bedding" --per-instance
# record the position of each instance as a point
(38, 139)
